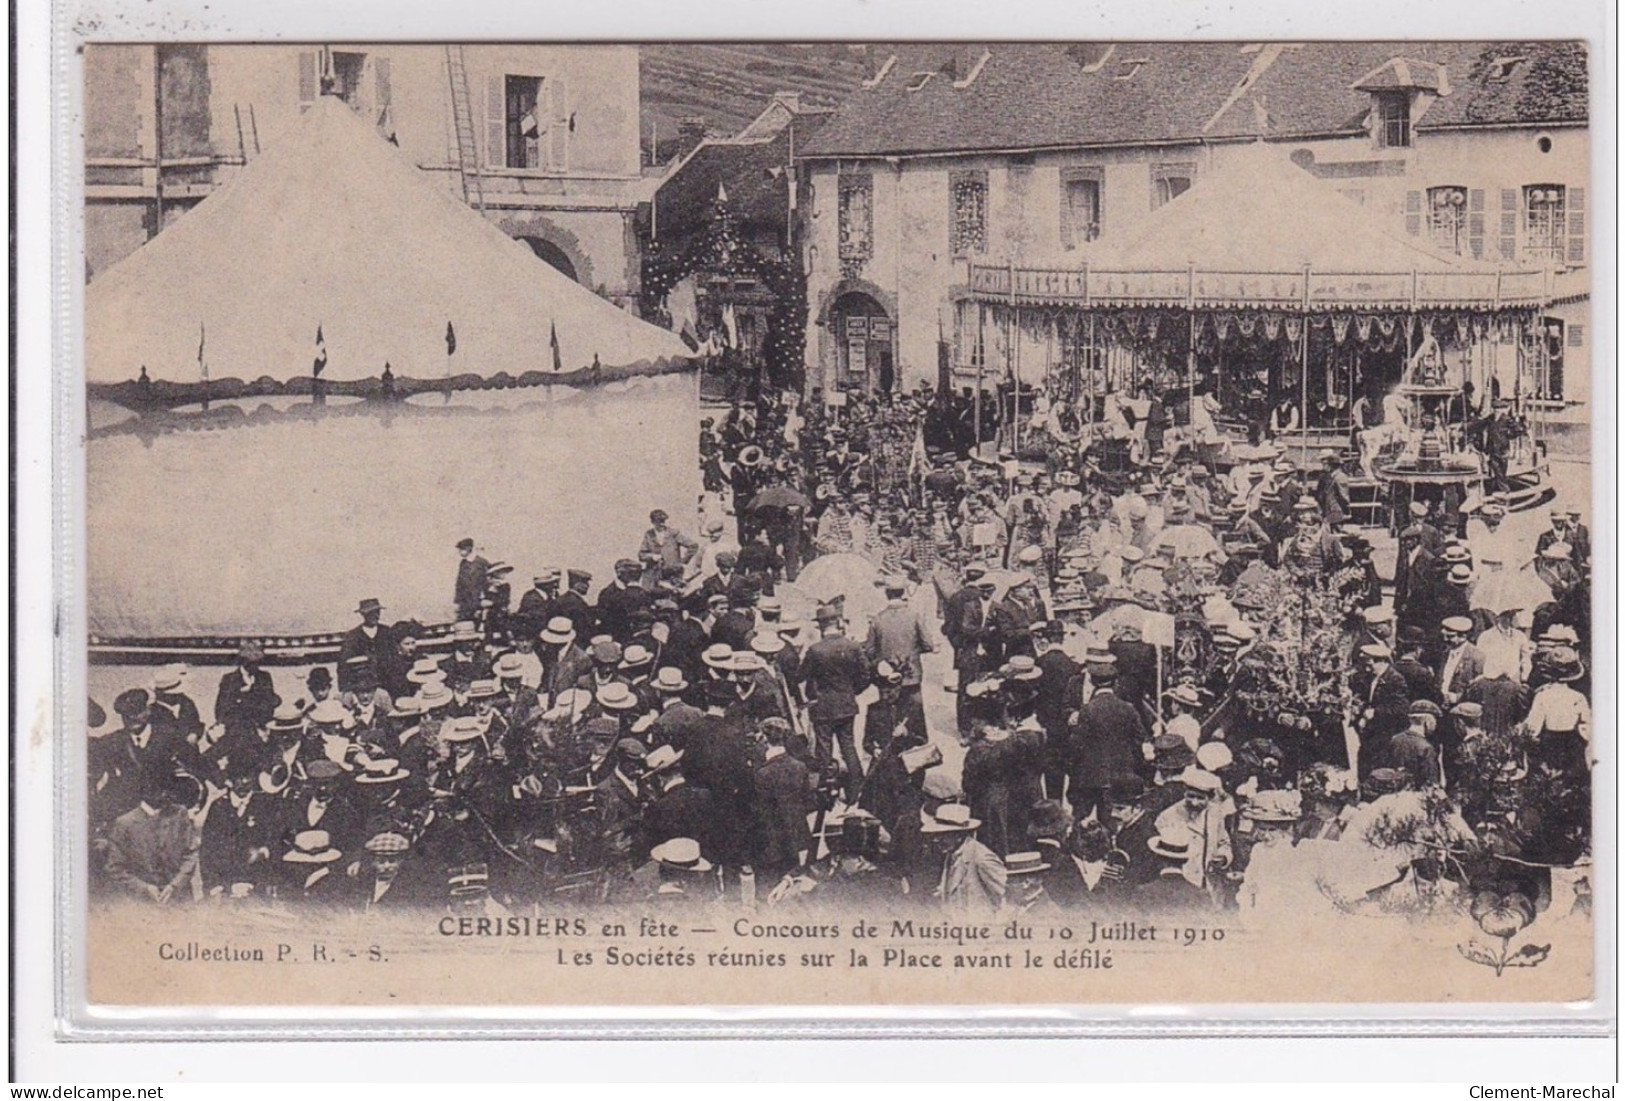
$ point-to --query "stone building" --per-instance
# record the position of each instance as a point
(544, 140)
(1044, 157)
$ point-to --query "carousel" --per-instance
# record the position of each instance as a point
(1279, 317)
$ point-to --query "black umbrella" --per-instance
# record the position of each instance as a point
(778, 497)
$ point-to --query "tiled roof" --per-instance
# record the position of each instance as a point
(1038, 96)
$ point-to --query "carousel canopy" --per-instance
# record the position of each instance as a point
(1258, 211)
(1257, 231)
(333, 228)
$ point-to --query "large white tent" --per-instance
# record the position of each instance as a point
(334, 228)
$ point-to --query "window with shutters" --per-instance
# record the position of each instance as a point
(1081, 195)
(1393, 111)
(1545, 224)
(524, 122)
(1475, 222)
(856, 217)
(344, 75)
(1170, 181)
(1447, 219)
(967, 213)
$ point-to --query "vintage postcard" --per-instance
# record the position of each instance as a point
(675, 524)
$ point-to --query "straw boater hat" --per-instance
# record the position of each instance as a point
(1173, 843)
(287, 718)
(1021, 668)
(718, 656)
(747, 661)
(169, 678)
(312, 847)
(382, 770)
(767, 643)
(559, 630)
(637, 656)
(1200, 779)
(1025, 864)
(948, 818)
(432, 695)
(509, 666)
(426, 669)
(464, 631)
(484, 689)
(669, 680)
(1214, 757)
(682, 854)
(569, 704)
(461, 728)
(330, 712)
(662, 757)
(1456, 553)
(1185, 694)
(616, 696)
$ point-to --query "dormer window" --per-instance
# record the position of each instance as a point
(1393, 118)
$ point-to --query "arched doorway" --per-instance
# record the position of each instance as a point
(864, 344)
(550, 253)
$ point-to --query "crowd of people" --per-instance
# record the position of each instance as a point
(1162, 665)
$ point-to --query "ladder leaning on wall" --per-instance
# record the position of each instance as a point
(462, 120)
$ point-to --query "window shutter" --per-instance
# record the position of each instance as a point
(1577, 225)
(1577, 336)
(1475, 222)
(496, 121)
(380, 73)
(559, 132)
(307, 78)
(1413, 213)
(1509, 223)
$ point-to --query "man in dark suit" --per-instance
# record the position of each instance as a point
(536, 604)
(719, 758)
(1136, 669)
(368, 639)
(833, 673)
(677, 716)
(619, 599)
(246, 699)
(241, 835)
(688, 638)
(1384, 700)
(572, 604)
(1420, 682)
(1462, 663)
(1106, 742)
(973, 642)
(736, 626)
(681, 810)
(783, 800)
(1056, 695)
(471, 569)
